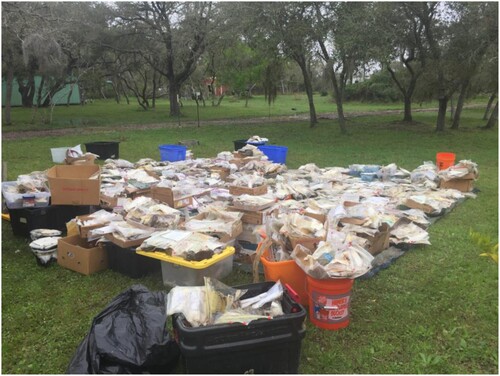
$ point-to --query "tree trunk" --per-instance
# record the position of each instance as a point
(172, 95)
(460, 105)
(338, 102)
(8, 94)
(488, 107)
(309, 91)
(27, 91)
(39, 94)
(493, 118)
(451, 108)
(407, 115)
(153, 100)
(441, 119)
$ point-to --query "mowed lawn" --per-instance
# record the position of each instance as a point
(434, 311)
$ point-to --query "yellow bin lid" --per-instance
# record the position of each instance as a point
(203, 264)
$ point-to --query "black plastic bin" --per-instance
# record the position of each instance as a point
(24, 220)
(104, 149)
(55, 217)
(262, 346)
(129, 263)
(238, 144)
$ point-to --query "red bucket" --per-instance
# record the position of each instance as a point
(329, 301)
(445, 160)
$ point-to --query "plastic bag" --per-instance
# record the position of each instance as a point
(128, 336)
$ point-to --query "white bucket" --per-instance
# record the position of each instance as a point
(59, 154)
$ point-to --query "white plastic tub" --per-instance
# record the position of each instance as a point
(59, 154)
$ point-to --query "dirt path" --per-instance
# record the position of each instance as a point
(14, 135)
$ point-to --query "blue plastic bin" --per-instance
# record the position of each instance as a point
(172, 153)
(276, 154)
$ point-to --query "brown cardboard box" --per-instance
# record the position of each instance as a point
(462, 185)
(319, 217)
(222, 171)
(166, 195)
(76, 254)
(255, 191)
(379, 241)
(108, 202)
(236, 228)
(84, 230)
(125, 244)
(309, 243)
(415, 205)
(74, 185)
(254, 217)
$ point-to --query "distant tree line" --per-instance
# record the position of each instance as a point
(413, 51)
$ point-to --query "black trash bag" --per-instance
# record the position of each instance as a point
(128, 336)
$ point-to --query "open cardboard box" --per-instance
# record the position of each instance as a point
(255, 191)
(77, 254)
(84, 230)
(74, 184)
(380, 241)
(166, 195)
(236, 228)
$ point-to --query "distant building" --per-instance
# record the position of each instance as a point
(61, 97)
(218, 89)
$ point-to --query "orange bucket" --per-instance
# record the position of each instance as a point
(287, 272)
(445, 160)
(329, 301)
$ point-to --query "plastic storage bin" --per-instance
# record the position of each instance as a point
(176, 271)
(172, 153)
(21, 200)
(24, 220)
(262, 346)
(276, 154)
(54, 217)
(59, 154)
(104, 149)
(127, 262)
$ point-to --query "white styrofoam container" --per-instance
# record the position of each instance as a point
(179, 272)
(17, 200)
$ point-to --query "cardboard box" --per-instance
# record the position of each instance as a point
(236, 228)
(83, 231)
(427, 209)
(76, 254)
(255, 191)
(166, 195)
(223, 172)
(254, 217)
(108, 202)
(125, 244)
(380, 241)
(462, 185)
(319, 217)
(309, 243)
(74, 185)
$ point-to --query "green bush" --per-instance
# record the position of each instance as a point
(379, 88)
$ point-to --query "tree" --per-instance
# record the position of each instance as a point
(340, 31)
(400, 48)
(473, 36)
(282, 29)
(179, 28)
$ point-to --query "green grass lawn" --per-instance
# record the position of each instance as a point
(108, 112)
(434, 311)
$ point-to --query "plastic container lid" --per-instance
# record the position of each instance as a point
(44, 233)
(45, 244)
(203, 264)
